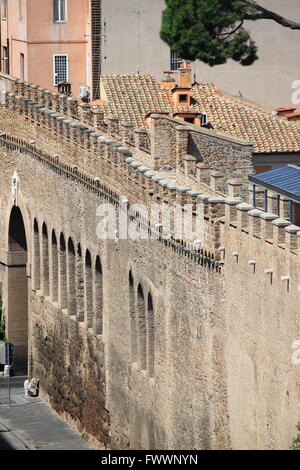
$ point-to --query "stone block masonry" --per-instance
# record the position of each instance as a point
(146, 344)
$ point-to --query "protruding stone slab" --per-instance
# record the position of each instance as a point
(203, 197)
(193, 193)
(216, 200)
(149, 174)
(281, 223)
(268, 216)
(293, 229)
(244, 207)
(255, 213)
(182, 189)
(143, 169)
(233, 201)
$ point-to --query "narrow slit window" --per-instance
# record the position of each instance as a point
(22, 67)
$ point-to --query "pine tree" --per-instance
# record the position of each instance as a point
(213, 31)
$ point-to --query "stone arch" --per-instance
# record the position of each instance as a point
(132, 315)
(54, 267)
(62, 273)
(88, 290)
(79, 284)
(45, 260)
(150, 335)
(141, 328)
(98, 298)
(71, 277)
(16, 302)
(36, 256)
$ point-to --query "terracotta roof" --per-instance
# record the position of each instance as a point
(131, 97)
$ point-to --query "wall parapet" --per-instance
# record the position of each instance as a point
(264, 226)
(85, 113)
(189, 250)
(123, 169)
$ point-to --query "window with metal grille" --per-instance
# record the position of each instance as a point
(175, 61)
(59, 10)
(60, 68)
(5, 60)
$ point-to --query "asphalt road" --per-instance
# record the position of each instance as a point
(30, 424)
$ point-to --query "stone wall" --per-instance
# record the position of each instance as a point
(93, 379)
(194, 349)
(172, 141)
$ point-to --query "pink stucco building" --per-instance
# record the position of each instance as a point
(52, 41)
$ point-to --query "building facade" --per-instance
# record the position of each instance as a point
(51, 44)
(131, 43)
(78, 40)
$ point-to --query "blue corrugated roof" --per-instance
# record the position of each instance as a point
(284, 180)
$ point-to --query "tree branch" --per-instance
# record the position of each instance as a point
(229, 33)
(265, 14)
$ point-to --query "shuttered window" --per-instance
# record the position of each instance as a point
(59, 10)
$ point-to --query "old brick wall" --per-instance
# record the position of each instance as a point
(261, 320)
(172, 139)
(222, 371)
(92, 380)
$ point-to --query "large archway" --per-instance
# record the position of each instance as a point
(16, 305)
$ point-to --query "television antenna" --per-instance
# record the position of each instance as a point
(138, 13)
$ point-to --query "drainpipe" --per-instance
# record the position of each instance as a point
(254, 196)
(291, 211)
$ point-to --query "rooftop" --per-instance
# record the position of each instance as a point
(131, 97)
(284, 181)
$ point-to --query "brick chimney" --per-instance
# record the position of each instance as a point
(289, 113)
(283, 112)
(182, 92)
(293, 116)
(168, 81)
(185, 75)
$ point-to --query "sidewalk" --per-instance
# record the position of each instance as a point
(30, 424)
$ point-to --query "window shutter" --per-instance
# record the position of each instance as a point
(56, 10)
(62, 10)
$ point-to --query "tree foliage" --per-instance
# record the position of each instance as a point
(213, 31)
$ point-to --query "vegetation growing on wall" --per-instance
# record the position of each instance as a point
(296, 440)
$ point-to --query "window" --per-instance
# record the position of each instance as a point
(175, 61)
(203, 119)
(5, 60)
(190, 120)
(22, 68)
(59, 11)
(21, 10)
(60, 68)
(4, 9)
(183, 98)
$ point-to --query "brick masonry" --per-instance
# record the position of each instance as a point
(223, 376)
